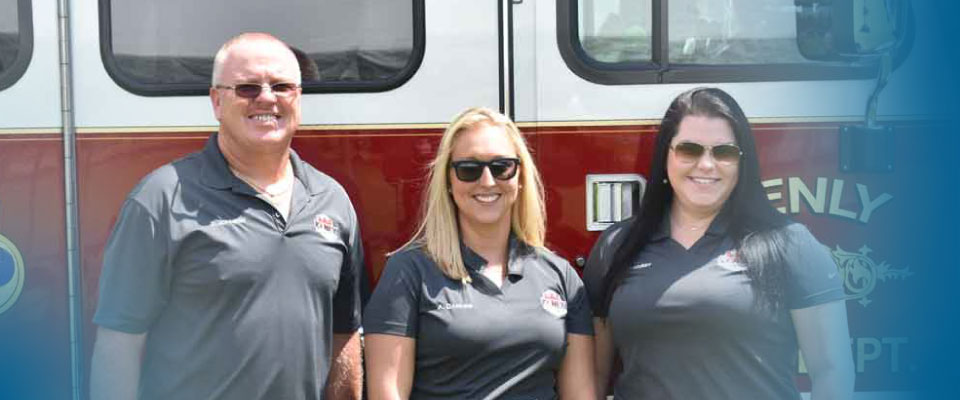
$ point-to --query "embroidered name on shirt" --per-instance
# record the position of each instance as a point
(453, 306)
(325, 226)
(642, 266)
(236, 221)
(553, 303)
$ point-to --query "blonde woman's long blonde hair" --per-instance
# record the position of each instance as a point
(438, 231)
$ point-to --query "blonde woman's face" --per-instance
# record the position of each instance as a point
(486, 202)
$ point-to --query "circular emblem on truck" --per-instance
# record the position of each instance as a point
(11, 274)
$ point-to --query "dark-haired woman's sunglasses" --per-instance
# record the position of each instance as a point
(252, 90)
(471, 170)
(690, 152)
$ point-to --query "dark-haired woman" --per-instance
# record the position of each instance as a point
(709, 291)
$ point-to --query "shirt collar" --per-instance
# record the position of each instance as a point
(719, 225)
(216, 173)
(516, 249)
(664, 230)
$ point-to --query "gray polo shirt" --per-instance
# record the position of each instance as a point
(478, 341)
(684, 321)
(237, 302)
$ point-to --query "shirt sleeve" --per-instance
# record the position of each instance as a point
(394, 306)
(579, 319)
(598, 263)
(812, 275)
(136, 276)
(346, 301)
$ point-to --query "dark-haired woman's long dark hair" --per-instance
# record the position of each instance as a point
(753, 222)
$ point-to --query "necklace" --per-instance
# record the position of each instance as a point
(689, 227)
(285, 184)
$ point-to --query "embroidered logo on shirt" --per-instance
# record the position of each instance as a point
(730, 261)
(642, 266)
(553, 303)
(325, 226)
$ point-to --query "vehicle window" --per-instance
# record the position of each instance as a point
(615, 31)
(672, 41)
(733, 32)
(9, 33)
(167, 48)
(16, 40)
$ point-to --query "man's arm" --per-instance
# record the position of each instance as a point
(346, 373)
(115, 368)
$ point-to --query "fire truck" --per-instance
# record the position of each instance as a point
(95, 94)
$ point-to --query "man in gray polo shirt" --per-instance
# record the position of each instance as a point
(233, 273)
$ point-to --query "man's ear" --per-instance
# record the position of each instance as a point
(215, 100)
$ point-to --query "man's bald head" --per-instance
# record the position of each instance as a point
(244, 38)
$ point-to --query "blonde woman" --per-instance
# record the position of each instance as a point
(473, 306)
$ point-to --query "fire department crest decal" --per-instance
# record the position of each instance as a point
(553, 303)
(326, 226)
(11, 274)
(861, 273)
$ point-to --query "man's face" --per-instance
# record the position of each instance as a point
(268, 121)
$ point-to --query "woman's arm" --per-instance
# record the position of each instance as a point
(115, 367)
(389, 363)
(603, 356)
(825, 344)
(575, 379)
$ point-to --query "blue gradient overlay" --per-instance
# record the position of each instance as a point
(931, 228)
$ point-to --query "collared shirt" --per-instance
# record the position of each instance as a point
(477, 340)
(686, 323)
(237, 301)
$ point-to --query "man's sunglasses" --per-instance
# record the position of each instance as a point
(690, 152)
(471, 170)
(252, 90)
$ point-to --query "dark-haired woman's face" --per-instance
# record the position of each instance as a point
(701, 185)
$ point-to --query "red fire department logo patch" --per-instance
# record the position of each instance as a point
(553, 303)
(731, 261)
(325, 225)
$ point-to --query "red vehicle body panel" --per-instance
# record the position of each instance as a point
(383, 171)
(35, 329)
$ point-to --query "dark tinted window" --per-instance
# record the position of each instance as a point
(166, 48)
(16, 40)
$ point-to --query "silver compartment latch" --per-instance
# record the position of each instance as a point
(612, 198)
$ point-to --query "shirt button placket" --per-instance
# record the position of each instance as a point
(278, 220)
